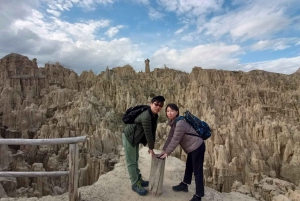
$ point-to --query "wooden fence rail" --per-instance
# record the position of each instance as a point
(73, 161)
(34, 174)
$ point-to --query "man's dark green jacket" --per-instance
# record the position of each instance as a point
(143, 130)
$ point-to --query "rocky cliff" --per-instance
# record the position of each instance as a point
(254, 116)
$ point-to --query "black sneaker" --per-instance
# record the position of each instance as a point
(196, 198)
(139, 189)
(181, 187)
(143, 182)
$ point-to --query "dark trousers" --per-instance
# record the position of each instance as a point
(194, 163)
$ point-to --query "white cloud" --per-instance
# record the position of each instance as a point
(60, 5)
(79, 55)
(73, 44)
(191, 7)
(194, 37)
(60, 30)
(113, 30)
(276, 44)
(90, 4)
(188, 38)
(179, 31)
(219, 56)
(240, 2)
(155, 14)
(53, 12)
(96, 54)
(250, 19)
(63, 5)
(13, 10)
(144, 2)
(255, 20)
(283, 65)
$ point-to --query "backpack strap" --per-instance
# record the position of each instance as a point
(197, 135)
(179, 118)
(182, 118)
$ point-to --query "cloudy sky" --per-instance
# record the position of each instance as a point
(212, 34)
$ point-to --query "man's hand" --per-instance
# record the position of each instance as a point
(150, 151)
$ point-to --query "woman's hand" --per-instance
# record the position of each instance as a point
(164, 155)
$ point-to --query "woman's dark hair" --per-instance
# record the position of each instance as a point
(173, 106)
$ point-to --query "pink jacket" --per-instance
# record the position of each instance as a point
(177, 135)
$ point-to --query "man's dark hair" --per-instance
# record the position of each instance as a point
(173, 106)
(159, 99)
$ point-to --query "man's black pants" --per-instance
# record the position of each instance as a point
(194, 163)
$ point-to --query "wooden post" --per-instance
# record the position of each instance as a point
(156, 176)
(73, 168)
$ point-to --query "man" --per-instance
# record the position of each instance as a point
(142, 131)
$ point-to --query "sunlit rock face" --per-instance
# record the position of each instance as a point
(254, 117)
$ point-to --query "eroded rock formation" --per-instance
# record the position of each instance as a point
(254, 116)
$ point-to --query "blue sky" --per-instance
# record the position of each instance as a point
(212, 34)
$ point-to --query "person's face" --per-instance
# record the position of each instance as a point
(171, 114)
(156, 107)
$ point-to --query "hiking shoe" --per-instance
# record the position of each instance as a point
(181, 187)
(143, 182)
(139, 189)
(196, 198)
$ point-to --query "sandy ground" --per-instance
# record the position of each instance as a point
(115, 186)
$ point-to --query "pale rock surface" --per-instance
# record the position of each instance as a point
(2, 191)
(6, 158)
(115, 185)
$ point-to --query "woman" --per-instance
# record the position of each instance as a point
(194, 146)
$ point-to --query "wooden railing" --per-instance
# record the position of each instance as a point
(73, 161)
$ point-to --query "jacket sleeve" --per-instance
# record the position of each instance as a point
(168, 140)
(179, 132)
(147, 126)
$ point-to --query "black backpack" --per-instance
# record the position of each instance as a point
(132, 112)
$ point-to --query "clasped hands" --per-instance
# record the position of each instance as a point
(162, 155)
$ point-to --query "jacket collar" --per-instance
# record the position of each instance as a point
(151, 113)
(171, 122)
